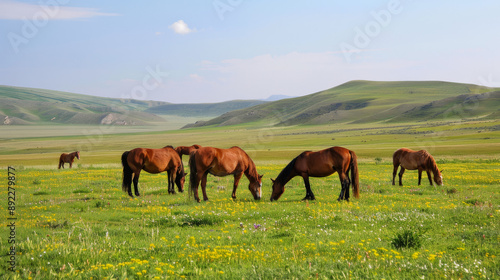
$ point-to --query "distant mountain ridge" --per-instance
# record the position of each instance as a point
(370, 101)
(203, 109)
(277, 97)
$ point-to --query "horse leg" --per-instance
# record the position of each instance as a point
(204, 186)
(172, 180)
(309, 193)
(419, 176)
(70, 164)
(345, 182)
(237, 178)
(194, 187)
(394, 173)
(429, 176)
(401, 172)
(136, 183)
(171, 189)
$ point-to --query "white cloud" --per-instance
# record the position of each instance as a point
(13, 10)
(180, 27)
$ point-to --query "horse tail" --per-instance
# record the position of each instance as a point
(354, 174)
(194, 173)
(127, 173)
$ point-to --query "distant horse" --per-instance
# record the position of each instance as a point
(411, 160)
(320, 164)
(223, 162)
(68, 158)
(186, 150)
(153, 161)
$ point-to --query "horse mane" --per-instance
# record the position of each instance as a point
(431, 163)
(284, 175)
(169, 146)
(252, 169)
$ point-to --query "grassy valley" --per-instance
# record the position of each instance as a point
(448, 119)
(78, 223)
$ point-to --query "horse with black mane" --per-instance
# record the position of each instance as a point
(320, 164)
(411, 160)
(68, 158)
(222, 162)
(153, 161)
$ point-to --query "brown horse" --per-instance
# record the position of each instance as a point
(223, 162)
(68, 158)
(186, 150)
(320, 164)
(411, 160)
(153, 161)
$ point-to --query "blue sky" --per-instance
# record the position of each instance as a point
(217, 50)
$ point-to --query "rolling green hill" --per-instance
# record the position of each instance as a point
(352, 102)
(37, 106)
(368, 101)
(20, 106)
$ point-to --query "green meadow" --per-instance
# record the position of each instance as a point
(78, 224)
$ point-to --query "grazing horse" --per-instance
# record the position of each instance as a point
(153, 161)
(320, 164)
(186, 150)
(68, 158)
(411, 160)
(223, 162)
